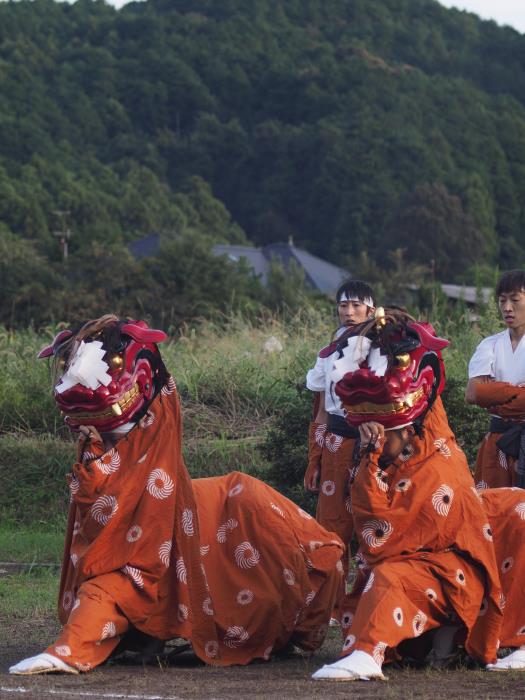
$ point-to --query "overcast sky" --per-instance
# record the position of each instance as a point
(502, 11)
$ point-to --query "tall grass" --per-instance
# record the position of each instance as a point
(223, 367)
(243, 404)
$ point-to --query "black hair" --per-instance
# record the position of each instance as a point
(356, 288)
(512, 281)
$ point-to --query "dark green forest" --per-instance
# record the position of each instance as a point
(357, 127)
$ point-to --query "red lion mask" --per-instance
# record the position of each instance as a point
(392, 372)
(107, 372)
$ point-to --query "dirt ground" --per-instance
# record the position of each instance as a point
(185, 677)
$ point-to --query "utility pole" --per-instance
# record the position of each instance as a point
(64, 233)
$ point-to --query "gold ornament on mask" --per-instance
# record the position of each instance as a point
(403, 361)
(116, 362)
(380, 317)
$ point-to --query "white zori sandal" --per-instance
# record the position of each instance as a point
(512, 662)
(42, 663)
(357, 666)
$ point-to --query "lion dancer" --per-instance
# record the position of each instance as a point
(331, 439)
(427, 556)
(227, 562)
(496, 383)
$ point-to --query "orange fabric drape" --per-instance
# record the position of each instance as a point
(333, 504)
(494, 468)
(134, 531)
(505, 508)
(425, 541)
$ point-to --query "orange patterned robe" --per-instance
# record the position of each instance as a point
(226, 562)
(426, 553)
(493, 467)
(335, 454)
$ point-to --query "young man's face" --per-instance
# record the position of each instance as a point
(352, 312)
(395, 443)
(512, 307)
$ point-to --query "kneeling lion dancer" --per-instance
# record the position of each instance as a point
(226, 563)
(427, 556)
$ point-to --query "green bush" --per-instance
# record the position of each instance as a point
(468, 422)
(286, 449)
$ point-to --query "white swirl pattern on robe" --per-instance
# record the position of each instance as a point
(104, 509)
(63, 650)
(230, 524)
(134, 533)
(289, 576)
(165, 552)
(520, 510)
(379, 653)
(442, 499)
(108, 463)
(180, 569)
(397, 614)
(442, 447)
(246, 555)
(328, 487)
(245, 596)
(235, 636)
(277, 509)
(165, 489)
(376, 532)
(187, 522)
(333, 442)
(134, 574)
(418, 623)
(109, 630)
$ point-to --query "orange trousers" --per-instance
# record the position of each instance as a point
(401, 600)
(493, 468)
(334, 506)
(93, 630)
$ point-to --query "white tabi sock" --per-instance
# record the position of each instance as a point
(514, 661)
(356, 666)
(42, 663)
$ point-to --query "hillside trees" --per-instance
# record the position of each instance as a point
(326, 120)
(431, 226)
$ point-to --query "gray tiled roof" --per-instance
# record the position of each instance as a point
(319, 274)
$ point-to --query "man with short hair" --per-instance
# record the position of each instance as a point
(331, 439)
(496, 383)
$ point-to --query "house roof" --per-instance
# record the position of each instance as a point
(145, 247)
(254, 256)
(471, 295)
(319, 274)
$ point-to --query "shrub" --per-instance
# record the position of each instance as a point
(286, 449)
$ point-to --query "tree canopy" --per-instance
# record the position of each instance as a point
(354, 126)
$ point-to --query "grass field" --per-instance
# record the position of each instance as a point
(244, 410)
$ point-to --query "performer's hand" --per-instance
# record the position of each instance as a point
(372, 435)
(311, 478)
(87, 434)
